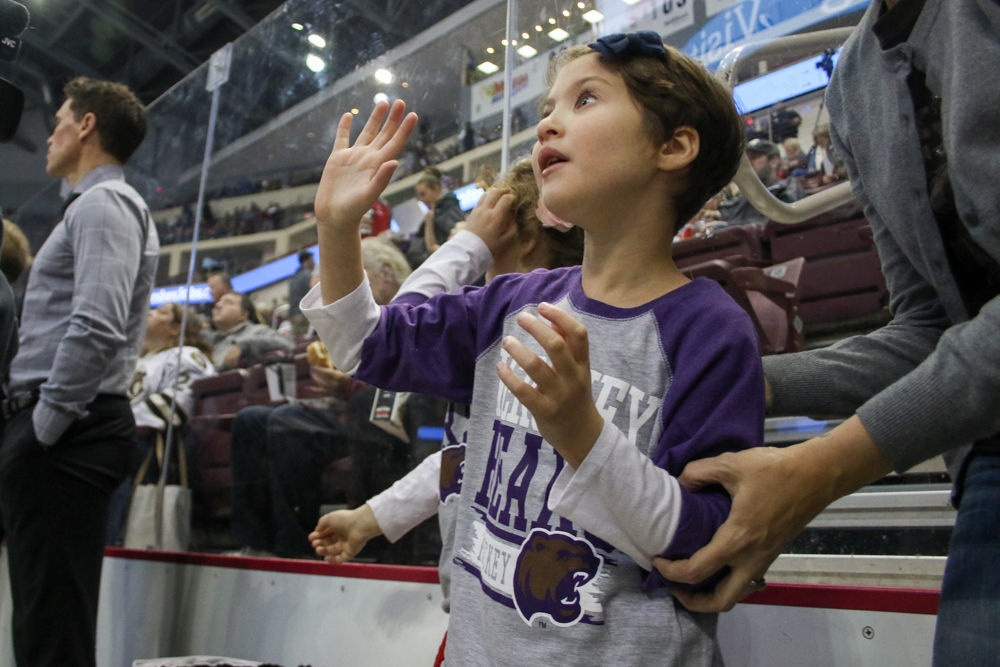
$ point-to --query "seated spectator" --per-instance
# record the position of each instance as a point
(298, 287)
(278, 454)
(823, 160)
(155, 386)
(766, 161)
(794, 158)
(444, 211)
(238, 335)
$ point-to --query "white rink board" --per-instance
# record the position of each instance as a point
(152, 609)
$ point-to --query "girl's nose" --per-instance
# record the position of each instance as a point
(548, 127)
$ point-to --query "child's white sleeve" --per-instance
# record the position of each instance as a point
(457, 263)
(344, 324)
(410, 501)
(621, 496)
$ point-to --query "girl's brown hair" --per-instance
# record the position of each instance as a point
(193, 336)
(672, 92)
(565, 248)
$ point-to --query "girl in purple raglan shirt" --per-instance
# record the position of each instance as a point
(591, 387)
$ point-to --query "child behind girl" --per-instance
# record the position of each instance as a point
(591, 387)
(503, 235)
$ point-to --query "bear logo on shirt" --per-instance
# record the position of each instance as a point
(452, 471)
(551, 568)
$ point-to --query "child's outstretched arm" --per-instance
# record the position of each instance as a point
(353, 178)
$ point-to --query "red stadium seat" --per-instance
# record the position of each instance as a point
(743, 241)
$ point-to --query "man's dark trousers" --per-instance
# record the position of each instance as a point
(54, 504)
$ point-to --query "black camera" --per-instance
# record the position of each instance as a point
(14, 19)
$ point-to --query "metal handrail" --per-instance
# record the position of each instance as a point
(746, 178)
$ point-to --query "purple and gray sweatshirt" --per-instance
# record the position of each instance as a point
(551, 564)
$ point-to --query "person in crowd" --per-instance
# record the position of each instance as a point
(278, 454)
(503, 235)
(785, 123)
(572, 468)
(467, 137)
(238, 335)
(219, 285)
(298, 287)
(795, 159)
(928, 383)
(442, 214)
(68, 427)
(765, 158)
(161, 386)
(823, 159)
(15, 258)
(9, 311)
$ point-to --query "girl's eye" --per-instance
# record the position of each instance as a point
(585, 99)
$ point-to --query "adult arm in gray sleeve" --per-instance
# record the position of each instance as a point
(106, 239)
(920, 386)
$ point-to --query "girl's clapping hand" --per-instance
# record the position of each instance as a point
(355, 176)
(562, 400)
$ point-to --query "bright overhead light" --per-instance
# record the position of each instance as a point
(580, 5)
(486, 67)
(558, 34)
(383, 76)
(504, 42)
(525, 35)
(593, 16)
(552, 21)
(630, 2)
(298, 26)
(380, 97)
(355, 112)
(317, 41)
(406, 85)
(538, 28)
(489, 49)
(315, 63)
(565, 12)
(526, 51)
(514, 42)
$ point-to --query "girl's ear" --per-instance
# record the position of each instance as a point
(681, 150)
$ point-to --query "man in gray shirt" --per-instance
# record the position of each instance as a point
(298, 287)
(68, 430)
(238, 335)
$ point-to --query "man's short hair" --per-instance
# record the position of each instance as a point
(246, 303)
(305, 256)
(121, 116)
(224, 277)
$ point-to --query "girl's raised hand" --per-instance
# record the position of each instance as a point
(355, 176)
(562, 401)
(340, 535)
(492, 221)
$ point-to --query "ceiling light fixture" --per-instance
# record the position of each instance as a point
(317, 41)
(406, 85)
(565, 12)
(525, 35)
(558, 34)
(504, 42)
(552, 21)
(380, 97)
(383, 76)
(486, 67)
(489, 49)
(526, 51)
(315, 63)
(580, 5)
(593, 16)
(538, 28)
(298, 26)
(355, 112)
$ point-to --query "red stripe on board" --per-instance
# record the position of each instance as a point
(863, 598)
(408, 573)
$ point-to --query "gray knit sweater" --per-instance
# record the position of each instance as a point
(929, 382)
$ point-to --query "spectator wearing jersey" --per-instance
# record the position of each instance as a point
(238, 335)
(164, 372)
